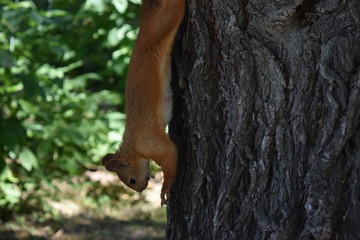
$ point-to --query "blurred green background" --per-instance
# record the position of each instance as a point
(63, 67)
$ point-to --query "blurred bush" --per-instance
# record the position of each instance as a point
(63, 66)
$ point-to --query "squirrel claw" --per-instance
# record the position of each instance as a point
(163, 202)
(164, 197)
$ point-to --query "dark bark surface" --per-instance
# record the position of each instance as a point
(266, 118)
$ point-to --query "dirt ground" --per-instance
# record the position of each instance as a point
(78, 221)
(82, 228)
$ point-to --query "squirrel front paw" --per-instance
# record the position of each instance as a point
(165, 195)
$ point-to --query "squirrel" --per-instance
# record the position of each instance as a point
(149, 100)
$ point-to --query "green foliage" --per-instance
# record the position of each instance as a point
(62, 74)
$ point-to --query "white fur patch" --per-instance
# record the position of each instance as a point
(167, 98)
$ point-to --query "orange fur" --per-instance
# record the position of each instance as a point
(144, 137)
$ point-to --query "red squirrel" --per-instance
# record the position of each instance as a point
(148, 100)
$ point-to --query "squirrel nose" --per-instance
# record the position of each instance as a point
(132, 181)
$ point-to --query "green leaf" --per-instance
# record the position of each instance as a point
(31, 86)
(12, 193)
(80, 81)
(38, 18)
(117, 34)
(13, 18)
(56, 13)
(95, 5)
(70, 166)
(27, 159)
(12, 132)
(8, 175)
(2, 166)
(120, 5)
(116, 120)
(6, 59)
(44, 149)
(28, 107)
(105, 97)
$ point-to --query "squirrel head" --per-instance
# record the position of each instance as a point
(133, 172)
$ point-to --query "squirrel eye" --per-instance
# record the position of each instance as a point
(132, 181)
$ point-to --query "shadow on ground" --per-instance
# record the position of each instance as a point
(82, 228)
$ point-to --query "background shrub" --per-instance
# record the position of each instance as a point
(63, 66)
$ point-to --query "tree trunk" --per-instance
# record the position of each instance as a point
(266, 119)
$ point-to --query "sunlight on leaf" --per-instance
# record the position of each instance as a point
(11, 192)
(27, 159)
(120, 5)
(136, 1)
(62, 67)
(94, 5)
(7, 174)
(117, 34)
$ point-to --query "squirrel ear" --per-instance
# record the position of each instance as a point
(107, 158)
(114, 165)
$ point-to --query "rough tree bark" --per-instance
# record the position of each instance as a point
(266, 118)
